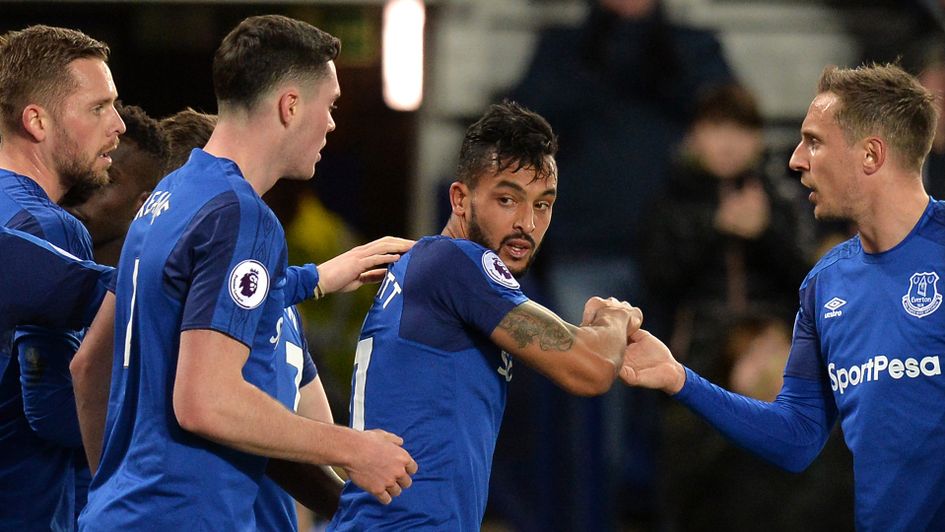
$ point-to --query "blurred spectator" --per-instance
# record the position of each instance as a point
(717, 486)
(724, 263)
(619, 91)
(722, 244)
(930, 69)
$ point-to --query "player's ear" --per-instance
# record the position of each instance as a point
(288, 106)
(459, 198)
(36, 121)
(874, 154)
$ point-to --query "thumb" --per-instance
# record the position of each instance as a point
(639, 335)
(627, 374)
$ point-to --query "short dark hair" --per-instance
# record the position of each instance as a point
(883, 100)
(507, 135)
(150, 137)
(264, 51)
(34, 68)
(186, 130)
(729, 102)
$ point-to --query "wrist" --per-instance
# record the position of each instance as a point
(679, 382)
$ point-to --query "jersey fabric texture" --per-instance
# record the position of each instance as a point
(426, 370)
(38, 424)
(46, 285)
(204, 252)
(868, 343)
(274, 508)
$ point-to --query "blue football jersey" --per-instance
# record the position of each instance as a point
(46, 285)
(426, 370)
(41, 467)
(274, 508)
(873, 326)
(204, 252)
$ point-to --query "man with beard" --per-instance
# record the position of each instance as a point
(436, 349)
(139, 163)
(58, 125)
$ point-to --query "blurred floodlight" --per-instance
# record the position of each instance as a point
(403, 54)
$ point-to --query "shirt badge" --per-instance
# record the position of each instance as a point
(249, 284)
(497, 270)
(923, 297)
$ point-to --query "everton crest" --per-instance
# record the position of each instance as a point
(923, 297)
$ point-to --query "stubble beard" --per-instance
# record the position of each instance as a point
(73, 171)
(475, 234)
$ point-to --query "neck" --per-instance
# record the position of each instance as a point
(241, 141)
(455, 228)
(27, 160)
(109, 252)
(893, 214)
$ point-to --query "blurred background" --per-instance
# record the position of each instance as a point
(676, 121)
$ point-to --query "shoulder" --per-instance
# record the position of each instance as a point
(441, 256)
(40, 216)
(841, 252)
(936, 225)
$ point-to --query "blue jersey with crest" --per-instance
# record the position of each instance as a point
(873, 326)
(274, 508)
(426, 370)
(204, 252)
(38, 459)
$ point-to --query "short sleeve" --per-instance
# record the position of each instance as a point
(465, 283)
(233, 255)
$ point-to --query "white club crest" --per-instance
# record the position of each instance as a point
(249, 284)
(497, 270)
(923, 297)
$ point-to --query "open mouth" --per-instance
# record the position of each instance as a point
(107, 154)
(518, 249)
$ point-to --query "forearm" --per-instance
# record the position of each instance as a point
(46, 386)
(582, 360)
(91, 370)
(242, 416)
(317, 487)
(789, 432)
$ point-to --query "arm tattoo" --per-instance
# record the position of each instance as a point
(525, 323)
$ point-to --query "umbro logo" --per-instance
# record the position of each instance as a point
(834, 307)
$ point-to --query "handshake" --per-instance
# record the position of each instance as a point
(647, 362)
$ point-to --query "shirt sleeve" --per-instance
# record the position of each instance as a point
(805, 358)
(232, 257)
(791, 431)
(46, 384)
(48, 286)
(450, 283)
(300, 283)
